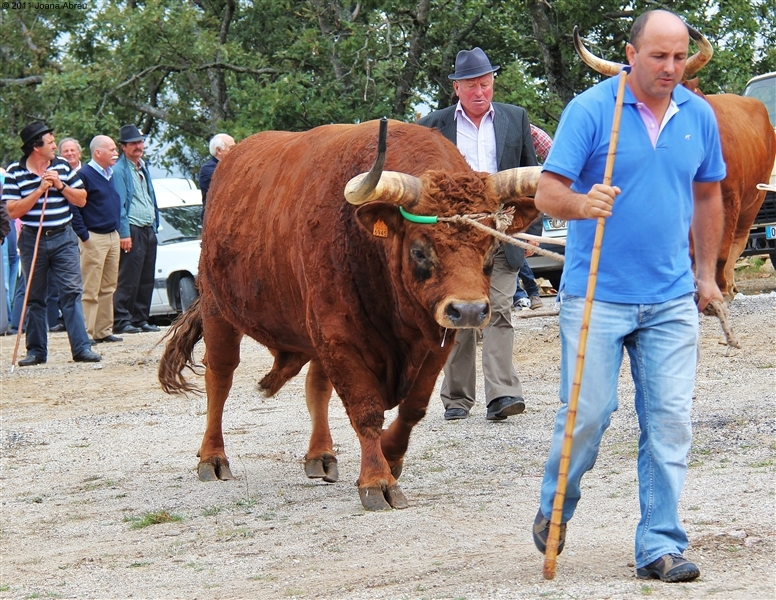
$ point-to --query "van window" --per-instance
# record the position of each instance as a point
(765, 91)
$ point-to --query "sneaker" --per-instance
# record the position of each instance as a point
(535, 302)
(670, 568)
(522, 303)
(541, 531)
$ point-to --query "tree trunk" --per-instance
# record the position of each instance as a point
(549, 40)
(412, 65)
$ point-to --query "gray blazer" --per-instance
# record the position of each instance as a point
(514, 147)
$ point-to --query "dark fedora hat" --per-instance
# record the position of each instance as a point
(129, 133)
(33, 130)
(471, 63)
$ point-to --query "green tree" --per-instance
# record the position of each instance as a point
(182, 71)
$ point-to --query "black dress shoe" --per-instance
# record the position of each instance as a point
(149, 327)
(57, 328)
(87, 356)
(127, 329)
(31, 359)
(107, 338)
(453, 414)
(506, 406)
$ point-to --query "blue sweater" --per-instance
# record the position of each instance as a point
(102, 213)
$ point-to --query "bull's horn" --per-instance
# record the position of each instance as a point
(367, 182)
(698, 60)
(388, 186)
(392, 187)
(513, 183)
(605, 67)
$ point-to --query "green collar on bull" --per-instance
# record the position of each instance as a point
(423, 219)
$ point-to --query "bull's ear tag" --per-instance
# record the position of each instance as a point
(380, 229)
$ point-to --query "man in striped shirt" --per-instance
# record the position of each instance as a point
(39, 190)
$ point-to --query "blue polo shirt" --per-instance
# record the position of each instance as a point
(645, 255)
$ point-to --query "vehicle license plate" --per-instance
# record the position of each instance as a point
(770, 232)
(551, 224)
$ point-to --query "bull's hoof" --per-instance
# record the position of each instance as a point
(397, 469)
(322, 468)
(214, 470)
(377, 499)
(396, 497)
(373, 499)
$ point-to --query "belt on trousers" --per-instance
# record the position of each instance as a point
(47, 231)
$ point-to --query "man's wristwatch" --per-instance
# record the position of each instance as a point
(64, 185)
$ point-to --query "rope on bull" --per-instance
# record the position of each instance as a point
(503, 219)
(719, 309)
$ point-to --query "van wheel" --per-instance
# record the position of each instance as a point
(188, 292)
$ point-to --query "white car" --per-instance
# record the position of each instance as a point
(544, 266)
(178, 238)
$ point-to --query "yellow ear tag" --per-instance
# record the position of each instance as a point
(380, 229)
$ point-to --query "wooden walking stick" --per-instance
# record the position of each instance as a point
(553, 537)
(29, 282)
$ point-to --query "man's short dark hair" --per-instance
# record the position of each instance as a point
(35, 142)
(641, 21)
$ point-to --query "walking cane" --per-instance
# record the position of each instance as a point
(29, 282)
(553, 537)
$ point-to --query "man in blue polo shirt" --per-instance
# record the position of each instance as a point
(41, 177)
(666, 183)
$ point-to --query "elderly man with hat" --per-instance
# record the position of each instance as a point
(492, 137)
(39, 190)
(137, 236)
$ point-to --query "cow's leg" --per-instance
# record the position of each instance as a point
(412, 409)
(377, 488)
(365, 407)
(320, 461)
(730, 268)
(222, 355)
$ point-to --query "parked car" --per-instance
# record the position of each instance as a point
(762, 235)
(177, 255)
(544, 266)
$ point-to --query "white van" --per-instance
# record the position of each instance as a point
(762, 236)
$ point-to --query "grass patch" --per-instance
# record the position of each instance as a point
(762, 463)
(149, 519)
(139, 564)
(211, 511)
(646, 590)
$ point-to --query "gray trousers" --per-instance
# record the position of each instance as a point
(459, 388)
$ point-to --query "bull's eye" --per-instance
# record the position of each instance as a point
(419, 255)
(423, 259)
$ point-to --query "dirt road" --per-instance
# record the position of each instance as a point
(93, 455)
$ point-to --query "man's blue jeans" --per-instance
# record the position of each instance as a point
(525, 274)
(57, 259)
(661, 340)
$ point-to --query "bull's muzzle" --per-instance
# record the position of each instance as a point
(458, 314)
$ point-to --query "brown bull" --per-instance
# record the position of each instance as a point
(369, 299)
(748, 147)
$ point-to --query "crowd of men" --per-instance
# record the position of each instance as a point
(91, 229)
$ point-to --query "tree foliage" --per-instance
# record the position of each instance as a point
(182, 71)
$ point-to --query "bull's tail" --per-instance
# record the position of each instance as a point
(183, 335)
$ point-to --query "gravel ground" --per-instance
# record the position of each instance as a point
(93, 454)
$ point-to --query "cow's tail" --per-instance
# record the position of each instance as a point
(183, 335)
